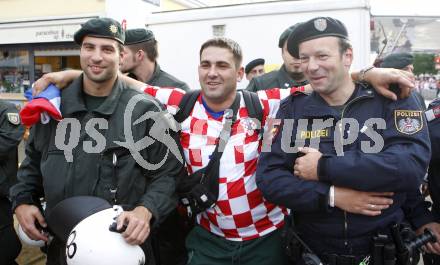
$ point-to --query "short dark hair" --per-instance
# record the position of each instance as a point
(344, 45)
(226, 43)
(149, 47)
(120, 47)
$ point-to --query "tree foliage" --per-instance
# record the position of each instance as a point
(424, 63)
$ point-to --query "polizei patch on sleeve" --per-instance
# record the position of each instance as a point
(408, 121)
(13, 118)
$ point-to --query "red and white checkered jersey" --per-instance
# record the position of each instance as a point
(241, 212)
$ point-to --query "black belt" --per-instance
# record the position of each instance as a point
(335, 259)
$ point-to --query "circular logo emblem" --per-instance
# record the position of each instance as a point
(320, 24)
(113, 29)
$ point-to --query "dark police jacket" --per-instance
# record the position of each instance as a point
(434, 165)
(274, 79)
(46, 172)
(11, 133)
(161, 78)
(399, 167)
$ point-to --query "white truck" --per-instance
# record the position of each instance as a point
(256, 27)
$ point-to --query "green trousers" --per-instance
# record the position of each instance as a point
(205, 248)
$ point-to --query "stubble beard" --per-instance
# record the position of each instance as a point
(297, 76)
(105, 76)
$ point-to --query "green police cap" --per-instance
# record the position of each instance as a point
(102, 28)
(397, 60)
(315, 28)
(133, 36)
(286, 34)
(252, 64)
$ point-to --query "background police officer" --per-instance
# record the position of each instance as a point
(433, 117)
(11, 133)
(254, 68)
(140, 60)
(403, 61)
(289, 75)
(340, 193)
(97, 100)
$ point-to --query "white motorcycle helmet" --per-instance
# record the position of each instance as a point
(92, 243)
(66, 214)
(27, 240)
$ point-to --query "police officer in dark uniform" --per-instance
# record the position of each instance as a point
(346, 184)
(254, 68)
(11, 133)
(140, 60)
(403, 61)
(94, 150)
(289, 75)
(433, 117)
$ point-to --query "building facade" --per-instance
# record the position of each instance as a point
(37, 36)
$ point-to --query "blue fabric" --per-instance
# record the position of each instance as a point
(28, 94)
(49, 93)
(214, 114)
(398, 167)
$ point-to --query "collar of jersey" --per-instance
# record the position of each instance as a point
(215, 115)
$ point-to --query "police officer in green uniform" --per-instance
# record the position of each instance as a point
(11, 133)
(140, 54)
(289, 75)
(140, 60)
(100, 149)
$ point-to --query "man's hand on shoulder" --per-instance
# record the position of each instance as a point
(382, 78)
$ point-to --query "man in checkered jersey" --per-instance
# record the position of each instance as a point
(242, 228)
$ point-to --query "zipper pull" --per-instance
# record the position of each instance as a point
(114, 187)
(115, 160)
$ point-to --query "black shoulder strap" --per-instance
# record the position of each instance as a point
(186, 105)
(253, 105)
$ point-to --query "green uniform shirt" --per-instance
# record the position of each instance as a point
(274, 79)
(11, 133)
(47, 172)
(161, 78)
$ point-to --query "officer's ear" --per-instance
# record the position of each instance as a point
(240, 74)
(140, 55)
(347, 57)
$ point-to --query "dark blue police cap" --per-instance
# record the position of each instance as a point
(397, 60)
(315, 28)
(252, 64)
(133, 36)
(102, 28)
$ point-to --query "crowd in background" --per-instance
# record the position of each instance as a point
(428, 82)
